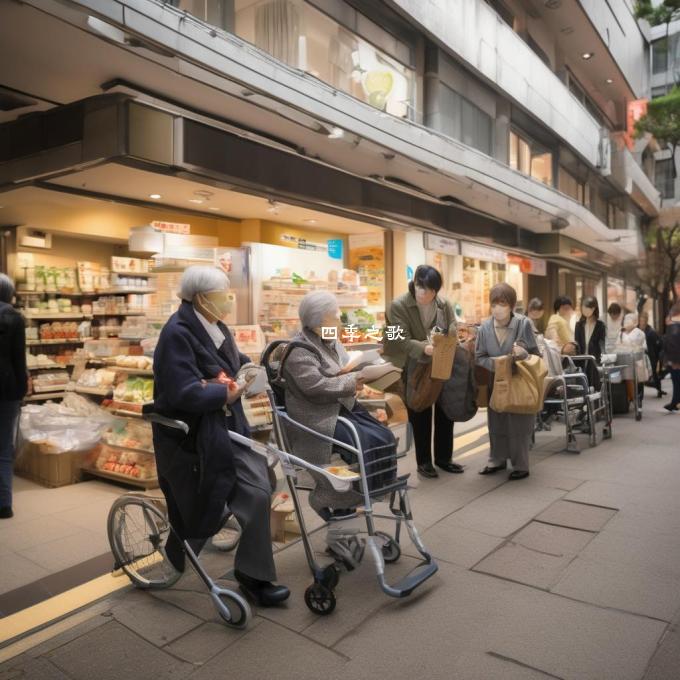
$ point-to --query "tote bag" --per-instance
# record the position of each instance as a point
(422, 390)
(520, 392)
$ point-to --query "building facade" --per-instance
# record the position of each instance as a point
(500, 124)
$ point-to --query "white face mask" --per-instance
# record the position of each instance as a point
(587, 312)
(500, 312)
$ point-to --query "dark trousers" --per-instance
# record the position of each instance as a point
(422, 435)
(675, 377)
(9, 419)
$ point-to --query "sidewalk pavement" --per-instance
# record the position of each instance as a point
(573, 573)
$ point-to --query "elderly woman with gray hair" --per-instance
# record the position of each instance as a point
(204, 473)
(319, 390)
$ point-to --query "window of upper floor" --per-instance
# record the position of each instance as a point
(663, 178)
(579, 92)
(503, 11)
(530, 157)
(568, 184)
(366, 61)
(461, 119)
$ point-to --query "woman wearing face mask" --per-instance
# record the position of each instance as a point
(416, 313)
(632, 339)
(505, 334)
(590, 336)
(195, 365)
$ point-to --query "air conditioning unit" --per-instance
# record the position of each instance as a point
(33, 238)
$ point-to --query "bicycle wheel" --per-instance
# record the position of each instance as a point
(137, 532)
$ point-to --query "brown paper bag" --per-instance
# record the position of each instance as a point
(443, 355)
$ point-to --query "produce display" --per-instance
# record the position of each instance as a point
(130, 434)
(67, 330)
(137, 362)
(97, 378)
(51, 382)
(133, 392)
(40, 361)
(134, 464)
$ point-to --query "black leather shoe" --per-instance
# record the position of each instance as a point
(427, 471)
(451, 467)
(263, 593)
(6, 512)
(491, 469)
(518, 474)
(671, 407)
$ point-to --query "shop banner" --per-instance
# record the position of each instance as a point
(484, 253)
(335, 248)
(441, 244)
(529, 265)
(172, 227)
(367, 257)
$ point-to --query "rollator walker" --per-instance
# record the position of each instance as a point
(138, 525)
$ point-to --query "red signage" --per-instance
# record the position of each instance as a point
(172, 227)
(636, 109)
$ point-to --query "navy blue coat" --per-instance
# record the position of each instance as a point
(197, 472)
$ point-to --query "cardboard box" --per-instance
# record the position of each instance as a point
(49, 469)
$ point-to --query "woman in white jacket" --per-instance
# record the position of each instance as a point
(632, 339)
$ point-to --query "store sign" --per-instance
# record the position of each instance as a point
(441, 244)
(529, 265)
(485, 253)
(636, 109)
(335, 248)
(172, 227)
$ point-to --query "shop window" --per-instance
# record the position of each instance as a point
(663, 178)
(569, 185)
(307, 39)
(530, 158)
(464, 121)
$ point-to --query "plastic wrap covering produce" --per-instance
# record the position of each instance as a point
(74, 425)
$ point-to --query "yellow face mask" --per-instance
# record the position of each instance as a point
(215, 305)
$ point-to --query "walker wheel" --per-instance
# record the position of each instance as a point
(638, 416)
(390, 550)
(320, 599)
(331, 576)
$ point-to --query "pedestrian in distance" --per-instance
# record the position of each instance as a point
(671, 351)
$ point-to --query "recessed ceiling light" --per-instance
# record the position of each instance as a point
(195, 200)
(609, 81)
(310, 221)
(214, 209)
(336, 133)
(155, 196)
(587, 55)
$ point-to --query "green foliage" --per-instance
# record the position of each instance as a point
(664, 13)
(662, 119)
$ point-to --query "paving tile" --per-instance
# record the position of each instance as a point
(271, 651)
(552, 539)
(17, 570)
(576, 515)
(621, 587)
(112, 652)
(482, 665)
(666, 661)
(506, 510)
(196, 603)
(25, 534)
(154, 620)
(208, 640)
(24, 668)
(458, 545)
(65, 552)
(520, 564)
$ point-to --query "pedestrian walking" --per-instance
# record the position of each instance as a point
(614, 323)
(654, 347)
(559, 329)
(415, 314)
(590, 336)
(671, 352)
(13, 388)
(506, 333)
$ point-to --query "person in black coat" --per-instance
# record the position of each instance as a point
(195, 362)
(671, 354)
(590, 336)
(654, 348)
(13, 387)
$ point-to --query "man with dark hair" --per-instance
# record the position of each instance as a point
(559, 329)
(13, 387)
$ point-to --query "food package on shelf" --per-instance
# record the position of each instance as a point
(134, 390)
(40, 361)
(58, 428)
(141, 363)
(51, 382)
(133, 464)
(130, 434)
(97, 378)
(105, 347)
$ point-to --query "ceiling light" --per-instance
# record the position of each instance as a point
(155, 196)
(587, 55)
(214, 209)
(336, 133)
(310, 221)
(195, 200)
(609, 81)
(204, 194)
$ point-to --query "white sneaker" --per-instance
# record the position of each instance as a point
(228, 536)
